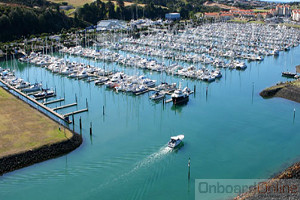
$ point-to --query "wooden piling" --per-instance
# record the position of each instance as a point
(80, 125)
(86, 102)
(91, 133)
(294, 114)
(103, 111)
(76, 97)
(189, 166)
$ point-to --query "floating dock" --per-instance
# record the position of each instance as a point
(168, 101)
(76, 112)
(65, 106)
(54, 101)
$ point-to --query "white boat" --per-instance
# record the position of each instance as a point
(179, 97)
(22, 85)
(175, 141)
(157, 96)
(33, 88)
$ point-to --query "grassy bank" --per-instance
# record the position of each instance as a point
(23, 128)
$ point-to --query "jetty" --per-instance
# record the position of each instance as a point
(54, 101)
(76, 112)
(65, 106)
(35, 101)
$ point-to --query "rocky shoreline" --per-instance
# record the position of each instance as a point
(46, 152)
(287, 90)
(23, 159)
(290, 176)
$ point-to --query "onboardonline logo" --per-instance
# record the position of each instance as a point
(240, 188)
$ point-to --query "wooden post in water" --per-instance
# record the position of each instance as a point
(206, 92)
(86, 102)
(80, 125)
(103, 111)
(76, 97)
(189, 166)
(252, 91)
(294, 114)
(91, 133)
(194, 88)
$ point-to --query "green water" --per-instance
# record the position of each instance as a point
(230, 133)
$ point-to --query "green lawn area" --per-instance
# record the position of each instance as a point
(238, 21)
(292, 25)
(257, 22)
(260, 11)
(23, 128)
(75, 3)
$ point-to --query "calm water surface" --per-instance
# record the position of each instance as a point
(231, 133)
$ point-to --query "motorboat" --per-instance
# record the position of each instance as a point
(157, 96)
(289, 74)
(45, 94)
(101, 81)
(22, 85)
(33, 88)
(175, 141)
(179, 97)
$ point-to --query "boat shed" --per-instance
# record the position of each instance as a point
(111, 24)
(172, 16)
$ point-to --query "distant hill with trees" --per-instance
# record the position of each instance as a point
(24, 20)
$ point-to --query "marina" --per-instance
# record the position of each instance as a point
(126, 100)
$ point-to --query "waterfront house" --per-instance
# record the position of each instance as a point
(296, 15)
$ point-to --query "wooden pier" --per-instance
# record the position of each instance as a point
(62, 117)
(54, 101)
(76, 112)
(65, 106)
(139, 93)
(168, 101)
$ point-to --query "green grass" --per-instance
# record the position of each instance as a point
(238, 21)
(70, 13)
(257, 22)
(292, 25)
(260, 11)
(23, 128)
(75, 3)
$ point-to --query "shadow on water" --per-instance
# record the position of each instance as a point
(178, 108)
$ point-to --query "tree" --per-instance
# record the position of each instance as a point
(110, 8)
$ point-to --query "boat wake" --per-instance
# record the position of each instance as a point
(154, 157)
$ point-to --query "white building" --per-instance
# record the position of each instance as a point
(111, 24)
(296, 15)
